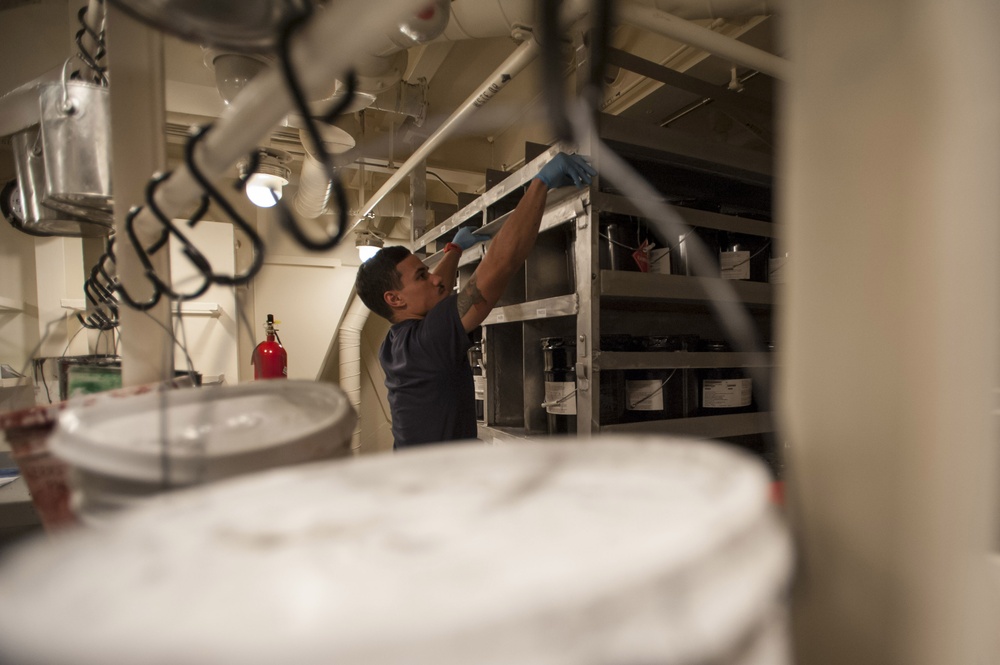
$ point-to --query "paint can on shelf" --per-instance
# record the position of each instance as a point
(653, 393)
(744, 257)
(559, 355)
(613, 380)
(681, 261)
(723, 390)
(619, 240)
(478, 377)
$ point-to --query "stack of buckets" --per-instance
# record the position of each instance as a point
(610, 550)
(114, 451)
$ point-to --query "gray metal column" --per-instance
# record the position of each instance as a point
(890, 198)
(138, 121)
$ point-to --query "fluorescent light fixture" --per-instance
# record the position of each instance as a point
(368, 244)
(265, 184)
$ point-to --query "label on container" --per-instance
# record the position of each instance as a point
(644, 395)
(560, 398)
(735, 265)
(776, 269)
(479, 385)
(726, 393)
(659, 261)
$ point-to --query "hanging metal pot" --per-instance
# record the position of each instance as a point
(76, 143)
(26, 210)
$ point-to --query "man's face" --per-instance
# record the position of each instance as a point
(421, 289)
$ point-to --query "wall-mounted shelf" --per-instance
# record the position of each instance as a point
(708, 427)
(640, 286)
(188, 308)
(680, 360)
(537, 309)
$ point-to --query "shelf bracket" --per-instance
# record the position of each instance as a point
(580, 209)
(582, 378)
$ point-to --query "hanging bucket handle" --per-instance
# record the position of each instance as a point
(68, 105)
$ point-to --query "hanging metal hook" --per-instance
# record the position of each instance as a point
(146, 263)
(189, 250)
(285, 216)
(212, 193)
(91, 60)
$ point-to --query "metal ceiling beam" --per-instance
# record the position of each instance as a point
(750, 112)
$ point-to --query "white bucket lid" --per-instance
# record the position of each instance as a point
(615, 550)
(210, 433)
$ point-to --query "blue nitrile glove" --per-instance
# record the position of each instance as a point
(566, 170)
(466, 238)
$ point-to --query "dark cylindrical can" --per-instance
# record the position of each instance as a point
(478, 377)
(723, 390)
(559, 355)
(618, 240)
(654, 393)
(680, 254)
(613, 381)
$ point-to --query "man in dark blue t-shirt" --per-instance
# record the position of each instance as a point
(427, 370)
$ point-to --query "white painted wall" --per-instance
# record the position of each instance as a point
(209, 338)
(306, 291)
(18, 297)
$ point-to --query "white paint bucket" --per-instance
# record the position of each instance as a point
(609, 551)
(123, 451)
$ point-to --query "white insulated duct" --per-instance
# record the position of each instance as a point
(378, 68)
(350, 360)
(500, 77)
(313, 195)
(479, 19)
(648, 17)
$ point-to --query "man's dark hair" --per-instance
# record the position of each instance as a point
(378, 275)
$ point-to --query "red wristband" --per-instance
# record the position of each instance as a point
(452, 247)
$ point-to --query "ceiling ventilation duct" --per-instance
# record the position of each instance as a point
(379, 77)
(314, 192)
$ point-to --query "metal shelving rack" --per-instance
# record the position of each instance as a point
(563, 291)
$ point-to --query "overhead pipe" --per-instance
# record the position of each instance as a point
(482, 19)
(321, 53)
(378, 71)
(511, 67)
(648, 17)
(472, 19)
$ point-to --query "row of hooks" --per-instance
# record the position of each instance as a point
(105, 292)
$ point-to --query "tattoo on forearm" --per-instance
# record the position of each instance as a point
(469, 297)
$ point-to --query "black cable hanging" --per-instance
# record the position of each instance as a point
(210, 194)
(285, 215)
(553, 86)
(214, 195)
(92, 59)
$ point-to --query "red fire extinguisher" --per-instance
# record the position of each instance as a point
(270, 360)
